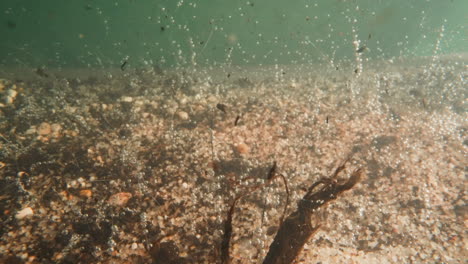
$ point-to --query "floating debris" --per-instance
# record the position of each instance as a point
(41, 72)
(11, 24)
(361, 49)
(122, 67)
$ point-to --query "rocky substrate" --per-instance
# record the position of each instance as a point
(141, 167)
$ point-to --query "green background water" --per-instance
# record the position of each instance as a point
(57, 33)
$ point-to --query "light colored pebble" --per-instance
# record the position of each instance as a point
(242, 148)
(31, 130)
(212, 99)
(127, 99)
(56, 128)
(86, 193)
(183, 100)
(183, 115)
(25, 212)
(171, 110)
(11, 95)
(44, 129)
(119, 199)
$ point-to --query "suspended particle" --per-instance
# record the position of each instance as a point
(122, 67)
(361, 49)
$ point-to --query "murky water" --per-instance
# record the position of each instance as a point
(187, 132)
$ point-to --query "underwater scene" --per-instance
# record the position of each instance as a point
(233, 131)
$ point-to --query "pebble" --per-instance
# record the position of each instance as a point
(86, 193)
(127, 99)
(212, 99)
(242, 148)
(183, 100)
(56, 128)
(119, 199)
(183, 115)
(44, 129)
(11, 95)
(25, 212)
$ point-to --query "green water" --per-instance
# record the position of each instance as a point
(168, 130)
(169, 33)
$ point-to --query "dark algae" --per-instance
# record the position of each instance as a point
(297, 229)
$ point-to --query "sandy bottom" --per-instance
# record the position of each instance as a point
(106, 168)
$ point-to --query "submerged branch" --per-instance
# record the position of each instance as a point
(297, 229)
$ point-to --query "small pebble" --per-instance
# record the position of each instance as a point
(86, 193)
(28, 211)
(11, 95)
(183, 115)
(242, 148)
(120, 199)
(212, 99)
(183, 100)
(44, 129)
(134, 245)
(56, 128)
(127, 99)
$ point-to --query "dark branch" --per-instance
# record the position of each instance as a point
(297, 229)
